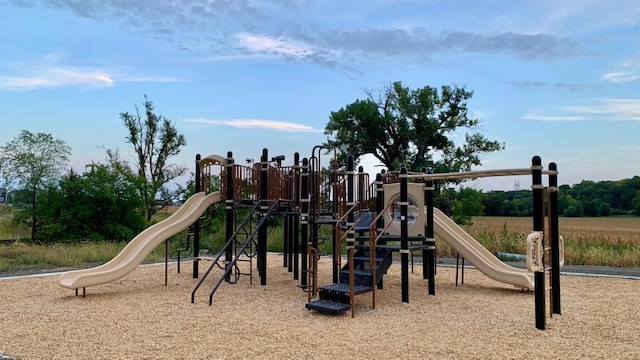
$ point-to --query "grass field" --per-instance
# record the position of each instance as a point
(613, 241)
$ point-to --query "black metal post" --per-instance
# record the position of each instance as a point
(538, 225)
(429, 255)
(296, 216)
(229, 211)
(304, 219)
(264, 207)
(196, 225)
(554, 233)
(350, 217)
(285, 241)
(404, 233)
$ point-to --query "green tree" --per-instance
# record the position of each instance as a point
(100, 204)
(636, 203)
(31, 162)
(414, 127)
(155, 140)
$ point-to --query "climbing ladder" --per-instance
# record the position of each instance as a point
(241, 248)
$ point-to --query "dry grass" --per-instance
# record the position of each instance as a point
(137, 317)
(601, 229)
(611, 241)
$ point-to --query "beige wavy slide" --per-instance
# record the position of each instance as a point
(480, 257)
(137, 249)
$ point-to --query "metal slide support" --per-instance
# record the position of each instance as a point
(538, 226)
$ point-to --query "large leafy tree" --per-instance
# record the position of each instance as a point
(31, 162)
(155, 140)
(417, 127)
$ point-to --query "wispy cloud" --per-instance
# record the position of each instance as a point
(540, 84)
(272, 45)
(615, 109)
(601, 109)
(56, 76)
(255, 124)
(50, 72)
(539, 117)
(624, 71)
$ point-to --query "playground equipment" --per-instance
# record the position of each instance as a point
(370, 220)
(134, 253)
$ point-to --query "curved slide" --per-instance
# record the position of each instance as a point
(137, 249)
(481, 258)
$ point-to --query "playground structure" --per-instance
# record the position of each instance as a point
(369, 220)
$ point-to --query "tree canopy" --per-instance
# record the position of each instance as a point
(155, 140)
(416, 127)
(30, 162)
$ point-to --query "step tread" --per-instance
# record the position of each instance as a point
(344, 288)
(378, 259)
(328, 307)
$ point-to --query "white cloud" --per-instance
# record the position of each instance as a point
(624, 71)
(616, 109)
(51, 72)
(538, 117)
(56, 76)
(272, 45)
(618, 77)
(255, 124)
(601, 109)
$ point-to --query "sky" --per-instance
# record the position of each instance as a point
(557, 79)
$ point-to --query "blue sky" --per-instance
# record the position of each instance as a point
(559, 79)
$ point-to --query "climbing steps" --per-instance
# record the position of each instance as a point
(334, 298)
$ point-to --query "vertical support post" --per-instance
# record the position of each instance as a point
(296, 217)
(554, 233)
(538, 225)
(286, 241)
(379, 208)
(362, 186)
(229, 211)
(379, 203)
(304, 220)
(262, 232)
(404, 233)
(196, 224)
(350, 218)
(335, 242)
(314, 189)
(429, 255)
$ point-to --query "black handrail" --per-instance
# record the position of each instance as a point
(242, 249)
(224, 247)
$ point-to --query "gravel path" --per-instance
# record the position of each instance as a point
(138, 318)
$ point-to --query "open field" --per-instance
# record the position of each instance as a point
(610, 241)
(609, 229)
(137, 317)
